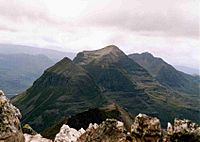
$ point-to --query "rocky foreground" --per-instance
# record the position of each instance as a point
(144, 129)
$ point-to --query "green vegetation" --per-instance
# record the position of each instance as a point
(64, 89)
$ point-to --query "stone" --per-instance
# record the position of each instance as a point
(110, 130)
(10, 126)
(28, 130)
(35, 138)
(68, 134)
(146, 128)
(185, 131)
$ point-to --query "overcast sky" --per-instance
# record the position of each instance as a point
(166, 28)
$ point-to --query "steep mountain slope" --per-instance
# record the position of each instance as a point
(19, 71)
(18, 49)
(64, 89)
(124, 81)
(166, 74)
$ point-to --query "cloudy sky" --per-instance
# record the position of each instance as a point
(166, 28)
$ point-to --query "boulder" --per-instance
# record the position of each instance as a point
(28, 130)
(68, 134)
(185, 131)
(146, 128)
(10, 126)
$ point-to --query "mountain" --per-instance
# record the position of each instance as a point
(64, 89)
(166, 74)
(52, 54)
(128, 84)
(188, 70)
(94, 79)
(19, 71)
(113, 70)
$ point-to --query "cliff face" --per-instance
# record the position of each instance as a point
(10, 127)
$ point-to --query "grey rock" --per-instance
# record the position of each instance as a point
(10, 127)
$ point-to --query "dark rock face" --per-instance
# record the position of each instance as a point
(10, 127)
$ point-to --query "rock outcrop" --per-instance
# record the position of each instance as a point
(35, 138)
(10, 127)
(110, 130)
(184, 131)
(146, 128)
(68, 134)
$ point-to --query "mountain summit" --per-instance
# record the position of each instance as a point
(111, 53)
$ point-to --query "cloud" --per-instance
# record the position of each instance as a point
(167, 28)
(169, 18)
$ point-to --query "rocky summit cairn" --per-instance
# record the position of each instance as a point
(146, 128)
(10, 127)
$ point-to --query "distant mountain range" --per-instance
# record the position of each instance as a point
(188, 70)
(104, 76)
(52, 54)
(21, 65)
(18, 71)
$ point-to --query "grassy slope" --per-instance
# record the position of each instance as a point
(64, 89)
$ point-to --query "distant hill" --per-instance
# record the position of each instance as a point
(18, 71)
(52, 54)
(166, 74)
(64, 89)
(188, 70)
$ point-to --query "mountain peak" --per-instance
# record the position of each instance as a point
(147, 54)
(62, 66)
(110, 51)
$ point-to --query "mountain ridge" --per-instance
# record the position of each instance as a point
(166, 74)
